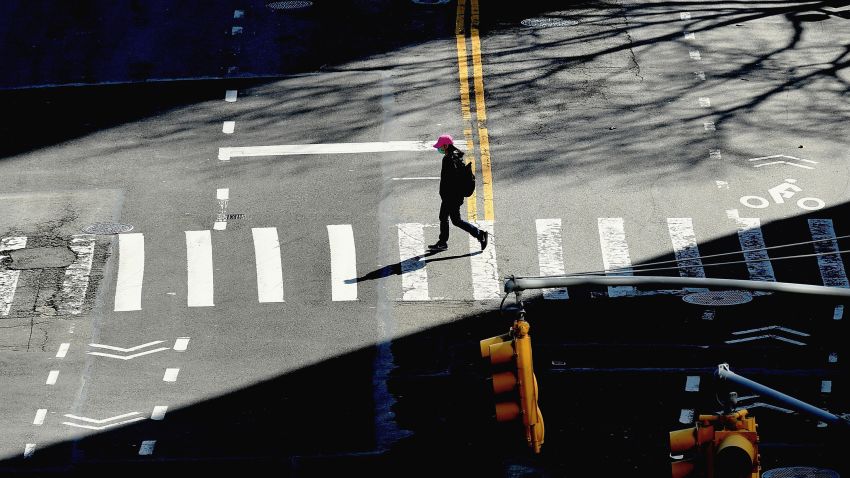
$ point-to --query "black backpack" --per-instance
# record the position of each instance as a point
(465, 178)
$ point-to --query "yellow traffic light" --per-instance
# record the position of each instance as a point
(517, 383)
(719, 446)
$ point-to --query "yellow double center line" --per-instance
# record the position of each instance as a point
(480, 107)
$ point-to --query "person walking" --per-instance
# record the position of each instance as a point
(451, 195)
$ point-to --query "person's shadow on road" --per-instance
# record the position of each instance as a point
(408, 265)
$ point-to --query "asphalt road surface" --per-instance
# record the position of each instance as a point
(269, 301)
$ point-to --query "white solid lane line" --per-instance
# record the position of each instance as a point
(343, 262)
(269, 269)
(411, 248)
(9, 278)
(615, 253)
(131, 272)
(199, 267)
(829, 262)
(485, 277)
(550, 254)
(76, 282)
(225, 154)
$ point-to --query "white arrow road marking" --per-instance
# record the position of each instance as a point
(128, 357)
(131, 349)
(769, 336)
(147, 447)
(783, 162)
(772, 327)
(225, 154)
(102, 421)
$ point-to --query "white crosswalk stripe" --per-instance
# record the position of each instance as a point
(411, 248)
(484, 282)
(9, 279)
(830, 264)
(343, 262)
(485, 276)
(76, 282)
(269, 268)
(199, 269)
(750, 237)
(131, 272)
(685, 248)
(615, 253)
(550, 254)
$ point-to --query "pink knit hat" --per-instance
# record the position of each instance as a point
(443, 141)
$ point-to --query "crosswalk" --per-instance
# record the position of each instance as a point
(484, 280)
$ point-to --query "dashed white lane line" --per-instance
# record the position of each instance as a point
(228, 127)
(615, 253)
(39, 416)
(147, 447)
(692, 383)
(222, 195)
(76, 281)
(238, 14)
(170, 375)
(159, 412)
(51, 377)
(838, 313)
(695, 55)
(411, 248)
(690, 36)
(9, 279)
(685, 15)
(550, 254)
(686, 416)
(829, 261)
(700, 75)
(131, 272)
(343, 262)
(230, 96)
(833, 357)
(199, 267)
(709, 126)
(181, 343)
(705, 102)
(485, 276)
(714, 154)
(236, 30)
(63, 350)
(826, 386)
(269, 268)
(225, 154)
(29, 449)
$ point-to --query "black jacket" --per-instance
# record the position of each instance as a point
(449, 190)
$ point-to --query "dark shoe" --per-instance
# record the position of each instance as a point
(482, 238)
(438, 246)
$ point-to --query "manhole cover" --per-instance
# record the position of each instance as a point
(800, 472)
(548, 22)
(733, 297)
(106, 228)
(290, 5)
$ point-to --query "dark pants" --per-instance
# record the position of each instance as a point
(452, 210)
